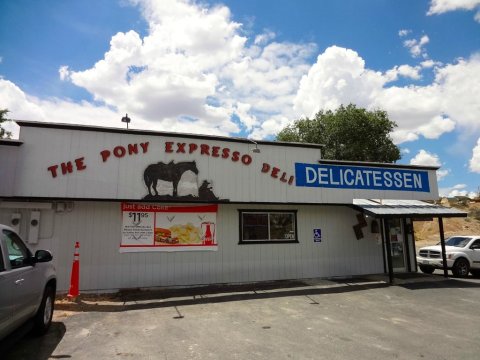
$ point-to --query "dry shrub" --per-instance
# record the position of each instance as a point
(475, 213)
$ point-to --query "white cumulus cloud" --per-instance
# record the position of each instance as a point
(474, 163)
(25, 107)
(194, 71)
(436, 127)
(417, 47)
(197, 71)
(340, 76)
(443, 6)
(425, 158)
(430, 63)
(441, 174)
(457, 190)
(64, 72)
(264, 38)
(195, 66)
(412, 72)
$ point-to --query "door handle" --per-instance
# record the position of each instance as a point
(19, 281)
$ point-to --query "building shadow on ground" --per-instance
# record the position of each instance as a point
(137, 299)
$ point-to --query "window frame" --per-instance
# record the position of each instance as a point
(241, 241)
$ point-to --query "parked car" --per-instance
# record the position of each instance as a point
(27, 285)
(462, 252)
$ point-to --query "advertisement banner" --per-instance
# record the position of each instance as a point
(148, 228)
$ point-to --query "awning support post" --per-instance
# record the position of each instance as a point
(382, 226)
(414, 247)
(442, 242)
(389, 251)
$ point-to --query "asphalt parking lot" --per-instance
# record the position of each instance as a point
(421, 317)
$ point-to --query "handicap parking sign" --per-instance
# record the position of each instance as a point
(317, 235)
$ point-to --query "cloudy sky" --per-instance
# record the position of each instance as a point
(248, 68)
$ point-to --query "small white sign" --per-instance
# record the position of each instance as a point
(317, 235)
(137, 228)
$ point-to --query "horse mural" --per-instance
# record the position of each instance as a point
(167, 172)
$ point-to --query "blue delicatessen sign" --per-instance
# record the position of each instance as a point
(360, 177)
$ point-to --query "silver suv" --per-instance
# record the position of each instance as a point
(27, 285)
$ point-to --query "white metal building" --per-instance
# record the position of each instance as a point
(154, 209)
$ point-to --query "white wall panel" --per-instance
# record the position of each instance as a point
(8, 164)
(97, 225)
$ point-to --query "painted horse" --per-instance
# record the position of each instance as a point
(167, 172)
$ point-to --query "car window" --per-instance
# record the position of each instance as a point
(458, 241)
(16, 250)
(476, 242)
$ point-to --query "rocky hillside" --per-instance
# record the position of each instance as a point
(427, 232)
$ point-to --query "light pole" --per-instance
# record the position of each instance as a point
(126, 119)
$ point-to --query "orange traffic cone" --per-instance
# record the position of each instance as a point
(75, 276)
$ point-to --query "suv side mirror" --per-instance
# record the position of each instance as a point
(43, 256)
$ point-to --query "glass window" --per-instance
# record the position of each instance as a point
(476, 243)
(270, 226)
(16, 250)
(457, 241)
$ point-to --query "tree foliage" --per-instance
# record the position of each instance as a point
(348, 133)
(3, 119)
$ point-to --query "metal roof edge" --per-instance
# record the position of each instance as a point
(65, 126)
(369, 209)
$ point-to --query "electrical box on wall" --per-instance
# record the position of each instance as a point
(15, 222)
(33, 227)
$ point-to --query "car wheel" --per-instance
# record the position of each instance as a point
(461, 268)
(43, 318)
(427, 269)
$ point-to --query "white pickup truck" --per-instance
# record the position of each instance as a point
(462, 252)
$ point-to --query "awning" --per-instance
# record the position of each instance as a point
(404, 209)
(415, 209)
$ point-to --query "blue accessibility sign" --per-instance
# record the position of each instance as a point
(317, 235)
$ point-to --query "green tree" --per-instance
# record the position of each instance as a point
(348, 133)
(3, 119)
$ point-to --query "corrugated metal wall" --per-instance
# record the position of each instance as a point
(97, 226)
